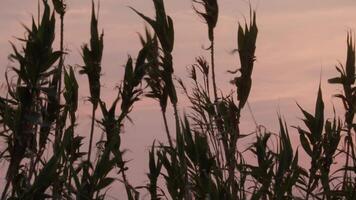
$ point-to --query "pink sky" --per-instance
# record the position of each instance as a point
(298, 41)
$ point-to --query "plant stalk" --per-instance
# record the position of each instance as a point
(167, 129)
(212, 55)
(58, 129)
(91, 133)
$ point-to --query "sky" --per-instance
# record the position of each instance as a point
(298, 45)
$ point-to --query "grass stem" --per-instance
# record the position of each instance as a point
(167, 128)
(91, 133)
(212, 55)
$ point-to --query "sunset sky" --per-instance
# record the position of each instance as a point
(299, 43)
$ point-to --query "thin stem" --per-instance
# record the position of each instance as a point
(176, 116)
(347, 159)
(167, 128)
(206, 81)
(70, 155)
(58, 129)
(91, 133)
(232, 160)
(212, 55)
(34, 161)
(312, 174)
(61, 59)
(218, 117)
(127, 185)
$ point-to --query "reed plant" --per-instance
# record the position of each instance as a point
(203, 158)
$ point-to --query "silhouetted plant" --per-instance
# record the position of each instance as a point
(210, 16)
(203, 160)
(164, 31)
(92, 59)
(347, 80)
(35, 60)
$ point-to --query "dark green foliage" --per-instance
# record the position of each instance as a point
(201, 164)
(346, 76)
(246, 48)
(160, 70)
(38, 55)
(312, 141)
(71, 91)
(154, 78)
(348, 98)
(92, 59)
(288, 171)
(131, 92)
(35, 62)
(155, 166)
(164, 30)
(92, 184)
(263, 173)
(162, 25)
(44, 179)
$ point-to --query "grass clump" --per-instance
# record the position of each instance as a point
(203, 158)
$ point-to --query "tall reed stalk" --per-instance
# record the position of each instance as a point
(60, 8)
(210, 15)
(92, 68)
(164, 31)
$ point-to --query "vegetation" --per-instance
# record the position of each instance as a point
(202, 159)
